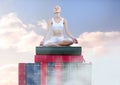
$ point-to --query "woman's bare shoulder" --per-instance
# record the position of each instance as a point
(64, 20)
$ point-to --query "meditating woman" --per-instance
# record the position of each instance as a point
(57, 24)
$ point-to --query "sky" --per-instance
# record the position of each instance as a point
(95, 23)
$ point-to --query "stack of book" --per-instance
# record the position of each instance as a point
(56, 66)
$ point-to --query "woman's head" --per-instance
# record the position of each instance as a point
(57, 9)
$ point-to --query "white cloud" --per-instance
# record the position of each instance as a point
(31, 26)
(14, 34)
(102, 49)
(29, 42)
(11, 20)
(9, 74)
(99, 43)
(43, 24)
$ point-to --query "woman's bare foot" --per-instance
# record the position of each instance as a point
(65, 43)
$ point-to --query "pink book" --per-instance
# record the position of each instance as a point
(43, 77)
(22, 74)
(59, 58)
(58, 73)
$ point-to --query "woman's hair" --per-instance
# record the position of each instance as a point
(58, 6)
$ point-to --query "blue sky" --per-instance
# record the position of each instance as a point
(95, 23)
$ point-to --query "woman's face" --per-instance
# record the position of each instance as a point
(57, 9)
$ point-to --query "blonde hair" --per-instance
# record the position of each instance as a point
(58, 7)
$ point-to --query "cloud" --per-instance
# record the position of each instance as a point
(99, 43)
(9, 74)
(102, 49)
(43, 24)
(29, 41)
(14, 34)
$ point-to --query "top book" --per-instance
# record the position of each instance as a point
(65, 50)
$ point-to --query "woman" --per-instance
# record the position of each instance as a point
(57, 24)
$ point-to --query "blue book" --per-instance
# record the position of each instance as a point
(32, 74)
(51, 74)
(36, 74)
(69, 73)
(65, 72)
(29, 73)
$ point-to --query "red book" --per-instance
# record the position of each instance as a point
(22, 74)
(43, 77)
(59, 58)
(58, 73)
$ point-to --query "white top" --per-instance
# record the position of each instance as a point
(57, 26)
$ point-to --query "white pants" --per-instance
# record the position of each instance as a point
(56, 39)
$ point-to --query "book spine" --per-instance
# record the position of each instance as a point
(73, 73)
(29, 74)
(59, 58)
(58, 72)
(36, 74)
(43, 77)
(51, 74)
(65, 67)
(22, 74)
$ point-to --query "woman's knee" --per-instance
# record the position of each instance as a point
(52, 44)
(66, 43)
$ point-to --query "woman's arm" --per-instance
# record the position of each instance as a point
(67, 31)
(48, 32)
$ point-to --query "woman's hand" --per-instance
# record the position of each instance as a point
(41, 43)
(75, 41)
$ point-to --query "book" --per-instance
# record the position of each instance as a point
(58, 73)
(76, 74)
(59, 58)
(37, 73)
(22, 73)
(51, 74)
(29, 73)
(65, 50)
(43, 76)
